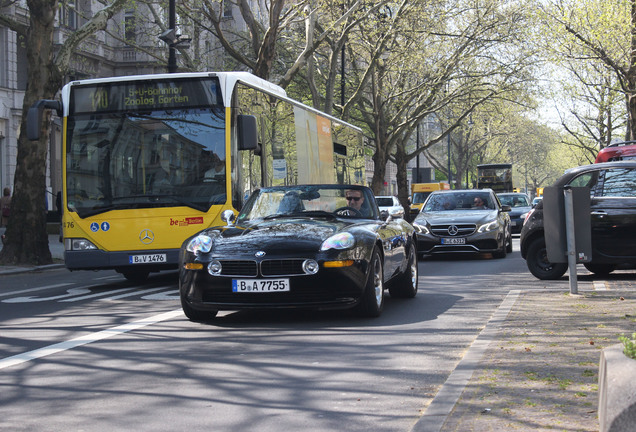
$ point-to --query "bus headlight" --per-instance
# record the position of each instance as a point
(78, 244)
(200, 244)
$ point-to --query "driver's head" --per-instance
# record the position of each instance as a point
(355, 198)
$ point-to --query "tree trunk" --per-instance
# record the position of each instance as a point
(402, 181)
(26, 237)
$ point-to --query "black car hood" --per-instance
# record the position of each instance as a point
(457, 217)
(274, 235)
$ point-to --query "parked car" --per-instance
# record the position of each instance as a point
(388, 203)
(617, 151)
(449, 222)
(613, 220)
(519, 207)
(536, 201)
(312, 246)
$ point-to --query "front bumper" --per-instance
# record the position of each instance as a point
(474, 243)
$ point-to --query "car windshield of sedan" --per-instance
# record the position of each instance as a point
(514, 200)
(458, 201)
(309, 201)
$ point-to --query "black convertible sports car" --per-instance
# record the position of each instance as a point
(310, 246)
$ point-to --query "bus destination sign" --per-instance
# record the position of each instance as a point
(145, 95)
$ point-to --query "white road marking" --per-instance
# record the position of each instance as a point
(99, 294)
(167, 295)
(69, 293)
(7, 294)
(86, 339)
(135, 293)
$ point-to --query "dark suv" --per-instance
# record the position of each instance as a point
(613, 218)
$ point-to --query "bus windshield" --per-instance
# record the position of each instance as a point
(174, 156)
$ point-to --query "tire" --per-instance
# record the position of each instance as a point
(406, 284)
(195, 314)
(137, 276)
(600, 269)
(509, 246)
(372, 301)
(501, 253)
(538, 264)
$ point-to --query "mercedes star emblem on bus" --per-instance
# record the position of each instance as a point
(146, 236)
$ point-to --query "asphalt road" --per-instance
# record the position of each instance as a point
(90, 351)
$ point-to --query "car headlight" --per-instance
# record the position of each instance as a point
(200, 244)
(338, 241)
(421, 229)
(490, 226)
(79, 244)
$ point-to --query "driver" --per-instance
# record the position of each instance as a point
(355, 198)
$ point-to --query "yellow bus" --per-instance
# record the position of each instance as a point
(150, 160)
(421, 191)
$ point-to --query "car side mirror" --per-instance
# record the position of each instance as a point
(227, 216)
(396, 213)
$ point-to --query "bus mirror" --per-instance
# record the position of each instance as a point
(247, 132)
(34, 116)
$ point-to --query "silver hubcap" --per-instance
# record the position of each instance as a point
(377, 282)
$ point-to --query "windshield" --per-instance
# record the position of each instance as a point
(514, 200)
(456, 201)
(310, 201)
(138, 160)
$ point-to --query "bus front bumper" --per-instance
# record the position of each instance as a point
(148, 260)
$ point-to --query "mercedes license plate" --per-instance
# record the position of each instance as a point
(260, 285)
(147, 259)
(453, 240)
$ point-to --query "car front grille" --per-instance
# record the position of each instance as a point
(286, 267)
(245, 268)
(444, 230)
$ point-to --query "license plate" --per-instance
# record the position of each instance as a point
(513, 223)
(260, 285)
(147, 259)
(453, 240)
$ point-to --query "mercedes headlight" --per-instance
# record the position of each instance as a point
(490, 226)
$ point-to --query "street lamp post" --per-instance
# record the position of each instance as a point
(449, 159)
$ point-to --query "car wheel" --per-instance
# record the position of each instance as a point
(195, 314)
(372, 300)
(538, 264)
(600, 269)
(509, 246)
(501, 253)
(136, 275)
(406, 284)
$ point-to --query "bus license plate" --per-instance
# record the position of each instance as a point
(259, 285)
(147, 259)
(453, 241)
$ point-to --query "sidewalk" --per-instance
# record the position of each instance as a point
(540, 370)
(57, 253)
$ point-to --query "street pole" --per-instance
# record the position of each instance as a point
(449, 160)
(172, 23)
(417, 147)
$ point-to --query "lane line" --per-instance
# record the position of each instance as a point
(86, 339)
(99, 294)
(135, 293)
(6, 294)
(436, 413)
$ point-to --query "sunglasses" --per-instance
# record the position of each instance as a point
(354, 198)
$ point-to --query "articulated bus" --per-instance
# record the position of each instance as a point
(497, 177)
(150, 160)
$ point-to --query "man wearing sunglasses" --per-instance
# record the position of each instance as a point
(355, 198)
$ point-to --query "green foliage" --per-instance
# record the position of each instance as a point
(630, 345)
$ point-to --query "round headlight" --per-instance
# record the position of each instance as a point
(215, 267)
(310, 266)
